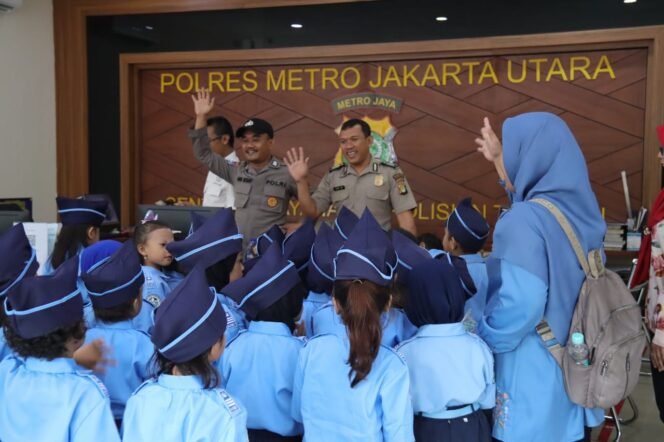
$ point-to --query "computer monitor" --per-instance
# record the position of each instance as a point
(9, 217)
(177, 218)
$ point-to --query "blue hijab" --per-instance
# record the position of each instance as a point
(438, 291)
(97, 252)
(543, 160)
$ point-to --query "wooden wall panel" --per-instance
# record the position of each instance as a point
(435, 126)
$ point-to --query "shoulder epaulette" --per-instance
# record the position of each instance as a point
(336, 167)
(95, 380)
(388, 164)
(148, 382)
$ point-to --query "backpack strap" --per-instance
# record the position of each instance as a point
(588, 269)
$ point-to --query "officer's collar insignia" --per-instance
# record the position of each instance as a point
(274, 164)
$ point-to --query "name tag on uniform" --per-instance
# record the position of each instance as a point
(230, 321)
(276, 183)
(230, 402)
(244, 179)
(337, 188)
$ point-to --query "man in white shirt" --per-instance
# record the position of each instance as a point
(218, 192)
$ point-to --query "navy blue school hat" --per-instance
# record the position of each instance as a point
(345, 222)
(19, 259)
(468, 226)
(297, 245)
(80, 211)
(409, 254)
(116, 279)
(367, 254)
(272, 277)
(197, 221)
(42, 304)
(190, 320)
(263, 242)
(320, 272)
(215, 240)
(255, 126)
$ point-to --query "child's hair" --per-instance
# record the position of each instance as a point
(70, 238)
(361, 303)
(198, 366)
(143, 229)
(430, 241)
(286, 309)
(49, 346)
(218, 274)
(117, 313)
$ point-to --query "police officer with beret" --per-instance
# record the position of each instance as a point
(262, 185)
(363, 182)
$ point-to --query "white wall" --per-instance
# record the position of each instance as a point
(27, 107)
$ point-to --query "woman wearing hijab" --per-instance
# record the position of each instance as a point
(534, 275)
(451, 370)
(650, 268)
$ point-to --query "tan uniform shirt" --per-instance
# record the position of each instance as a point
(261, 197)
(382, 187)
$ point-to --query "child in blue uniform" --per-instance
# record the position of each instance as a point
(89, 258)
(19, 261)
(350, 387)
(80, 228)
(259, 245)
(45, 396)
(451, 370)
(151, 239)
(395, 324)
(114, 288)
(184, 402)
(215, 246)
(320, 274)
(271, 295)
(465, 234)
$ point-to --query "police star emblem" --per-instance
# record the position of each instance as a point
(272, 202)
(378, 180)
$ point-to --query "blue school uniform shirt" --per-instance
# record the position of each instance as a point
(157, 286)
(448, 367)
(258, 368)
(132, 350)
(530, 391)
(311, 304)
(396, 326)
(236, 321)
(4, 347)
(377, 409)
(53, 401)
(476, 265)
(178, 408)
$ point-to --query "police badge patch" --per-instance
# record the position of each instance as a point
(401, 183)
(153, 300)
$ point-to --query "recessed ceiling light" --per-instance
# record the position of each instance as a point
(441, 18)
(296, 25)
(629, 1)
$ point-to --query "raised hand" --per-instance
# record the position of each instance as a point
(298, 165)
(203, 102)
(489, 144)
(94, 356)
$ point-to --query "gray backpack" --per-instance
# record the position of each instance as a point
(610, 319)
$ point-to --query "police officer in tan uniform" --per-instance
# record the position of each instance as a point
(363, 182)
(262, 185)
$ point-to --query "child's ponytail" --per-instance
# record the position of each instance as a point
(361, 304)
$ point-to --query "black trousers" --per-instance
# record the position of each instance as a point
(658, 386)
(473, 427)
(268, 436)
